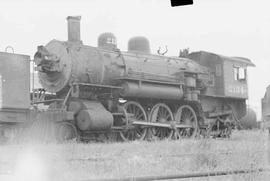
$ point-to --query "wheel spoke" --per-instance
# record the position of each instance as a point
(161, 113)
(138, 113)
(140, 116)
(184, 116)
(191, 118)
(154, 115)
(133, 109)
(187, 115)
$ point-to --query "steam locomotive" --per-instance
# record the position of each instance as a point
(137, 94)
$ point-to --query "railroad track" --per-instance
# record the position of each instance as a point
(186, 176)
(8, 176)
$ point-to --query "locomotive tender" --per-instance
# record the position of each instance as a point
(265, 102)
(136, 93)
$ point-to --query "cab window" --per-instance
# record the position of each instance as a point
(240, 73)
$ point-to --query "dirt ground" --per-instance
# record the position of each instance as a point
(77, 161)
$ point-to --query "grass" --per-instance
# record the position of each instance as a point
(245, 150)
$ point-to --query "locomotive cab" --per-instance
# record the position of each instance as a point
(228, 74)
(228, 82)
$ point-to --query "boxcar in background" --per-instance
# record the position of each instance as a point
(14, 90)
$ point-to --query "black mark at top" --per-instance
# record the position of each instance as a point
(181, 2)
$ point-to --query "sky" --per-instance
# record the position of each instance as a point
(227, 27)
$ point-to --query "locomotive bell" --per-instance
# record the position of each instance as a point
(107, 41)
(139, 44)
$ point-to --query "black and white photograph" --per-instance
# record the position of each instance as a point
(134, 90)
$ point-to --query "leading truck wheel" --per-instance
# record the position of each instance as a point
(133, 112)
(65, 131)
(161, 113)
(41, 130)
(187, 116)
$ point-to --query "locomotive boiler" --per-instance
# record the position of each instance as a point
(140, 94)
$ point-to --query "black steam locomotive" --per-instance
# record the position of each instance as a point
(136, 94)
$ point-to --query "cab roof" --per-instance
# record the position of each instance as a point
(226, 58)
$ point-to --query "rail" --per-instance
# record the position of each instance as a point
(176, 176)
(185, 176)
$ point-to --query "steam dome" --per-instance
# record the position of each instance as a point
(107, 41)
(139, 44)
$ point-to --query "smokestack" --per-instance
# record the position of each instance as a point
(74, 33)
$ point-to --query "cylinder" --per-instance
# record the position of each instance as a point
(94, 118)
(148, 90)
(74, 34)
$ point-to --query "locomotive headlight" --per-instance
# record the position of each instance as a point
(30, 167)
